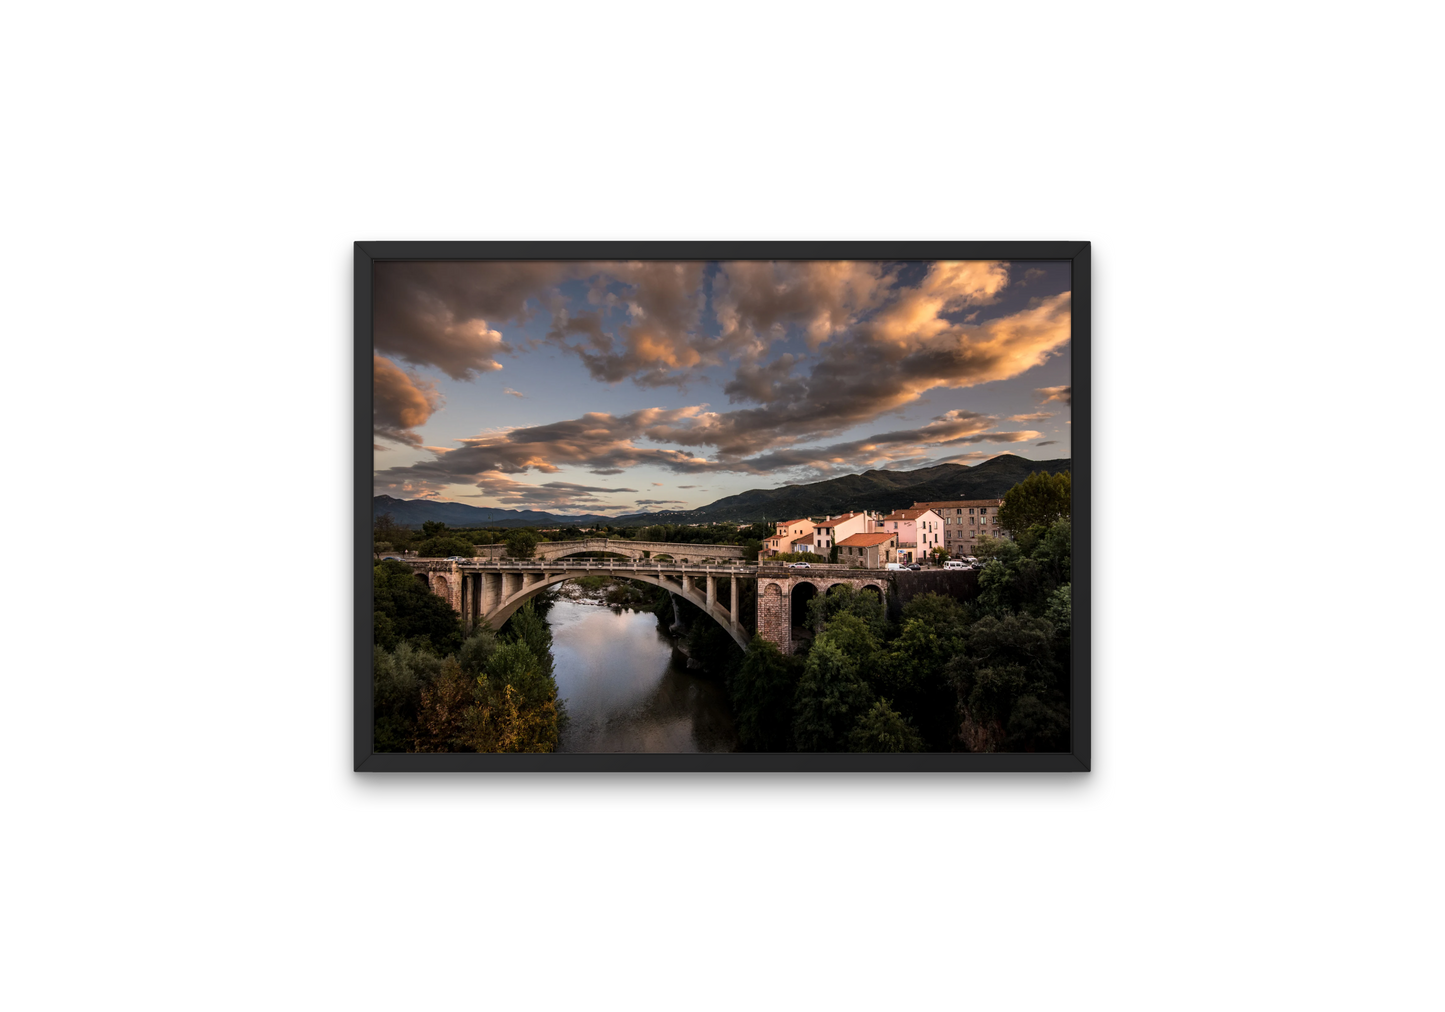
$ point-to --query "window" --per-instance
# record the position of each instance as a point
(970, 519)
(957, 512)
(984, 509)
(970, 513)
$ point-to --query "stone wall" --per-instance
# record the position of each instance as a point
(960, 584)
(774, 608)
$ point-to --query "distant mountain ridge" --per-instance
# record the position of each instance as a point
(872, 490)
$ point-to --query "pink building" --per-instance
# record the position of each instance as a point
(789, 532)
(836, 529)
(919, 532)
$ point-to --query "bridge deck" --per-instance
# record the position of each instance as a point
(638, 565)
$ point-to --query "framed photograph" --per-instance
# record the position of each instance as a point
(722, 506)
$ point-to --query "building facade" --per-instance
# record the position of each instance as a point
(788, 531)
(919, 531)
(868, 551)
(965, 521)
(833, 530)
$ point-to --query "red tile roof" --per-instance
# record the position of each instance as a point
(912, 514)
(868, 540)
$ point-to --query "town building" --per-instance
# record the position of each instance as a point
(964, 521)
(919, 531)
(789, 532)
(868, 551)
(833, 530)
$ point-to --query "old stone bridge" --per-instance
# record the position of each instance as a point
(490, 590)
(667, 551)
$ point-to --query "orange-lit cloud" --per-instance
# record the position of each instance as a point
(401, 402)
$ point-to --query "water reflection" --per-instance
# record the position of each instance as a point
(623, 691)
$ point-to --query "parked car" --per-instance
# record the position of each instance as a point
(955, 564)
(457, 558)
(895, 565)
(800, 565)
(914, 566)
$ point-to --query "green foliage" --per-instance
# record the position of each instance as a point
(442, 546)
(1012, 687)
(432, 529)
(1038, 500)
(404, 610)
(442, 710)
(397, 680)
(1060, 609)
(912, 671)
(831, 696)
(522, 543)
(938, 552)
(710, 645)
(384, 531)
(845, 600)
(883, 729)
(477, 650)
(494, 695)
(762, 691)
(1024, 576)
(527, 626)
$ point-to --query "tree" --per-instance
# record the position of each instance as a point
(432, 529)
(522, 543)
(442, 547)
(384, 530)
(883, 729)
(938, 552)
(831, 696)
(404, 610)
(1011, 679)
(762, 692)
(1040, 498)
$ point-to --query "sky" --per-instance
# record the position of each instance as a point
(616, 388)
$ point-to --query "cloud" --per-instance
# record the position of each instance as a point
(436, 313)
(659, 344)
(1037, 416)
(659, 502)
(880, 345)
(1048, 442)
(514, 393)
(401, 401)
(552, 496)
(1046, 394)
(756, 300)
(1032, 274)
(687, 486)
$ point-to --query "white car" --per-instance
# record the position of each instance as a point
(955, 564)
(457, 558)
(800, 565)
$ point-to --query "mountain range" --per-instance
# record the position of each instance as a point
(872, 490)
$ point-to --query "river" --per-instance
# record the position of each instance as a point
(625, 691)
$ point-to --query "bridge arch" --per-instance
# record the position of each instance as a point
(499, 615)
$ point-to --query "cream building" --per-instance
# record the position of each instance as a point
(964, 521)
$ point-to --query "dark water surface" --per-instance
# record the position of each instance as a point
(625, 693)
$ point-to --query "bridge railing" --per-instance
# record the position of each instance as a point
(603, 565)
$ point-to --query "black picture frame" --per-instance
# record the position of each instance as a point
(364, 252)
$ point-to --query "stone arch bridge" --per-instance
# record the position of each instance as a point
(635, 550)
(491, 590)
